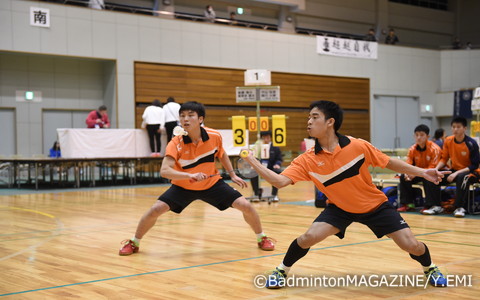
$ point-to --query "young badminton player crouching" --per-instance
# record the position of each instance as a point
(338, 166)
(190, 163)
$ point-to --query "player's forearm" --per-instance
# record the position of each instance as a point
(273, 178)
(225, 161)
(440, 165)
(172, 174)
(227, 164)
(464, 170)
(402, 167)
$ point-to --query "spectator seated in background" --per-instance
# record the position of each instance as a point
(98, 118)
(209, 14)
(96, 4)
(391, 38)
(456, 44)
(439, 137)
(55, 150)
(371, 36)
(233, 18)
(272, 159)
(462, 150)
(424, 154)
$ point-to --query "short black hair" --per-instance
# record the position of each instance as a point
(56, 145)
(170, 99)
(265, 133)
(102, 107)
(422, 128)
(459, 119)
(439, 133)
(157, 102)
(193, 106)
(331, 110)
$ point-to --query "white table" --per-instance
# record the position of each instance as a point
(101, 143)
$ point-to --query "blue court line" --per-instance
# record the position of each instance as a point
(202, 265)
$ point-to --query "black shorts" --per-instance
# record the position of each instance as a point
(220, 195)
(382, 221)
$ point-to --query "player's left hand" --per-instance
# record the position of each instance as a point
(239, 181)
(246, 154)
(435, 175)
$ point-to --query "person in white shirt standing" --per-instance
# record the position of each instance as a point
(154, 119)
(172, 117)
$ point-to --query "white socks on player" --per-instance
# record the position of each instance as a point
(286, 269)
(136, 241)
(426, 269)
(260, 236)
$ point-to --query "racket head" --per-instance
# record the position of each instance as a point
(245, 169)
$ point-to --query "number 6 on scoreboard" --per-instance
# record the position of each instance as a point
(279, 131)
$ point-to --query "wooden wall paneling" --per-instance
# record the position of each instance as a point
(215, 87)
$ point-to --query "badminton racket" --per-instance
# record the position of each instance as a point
(245, 169)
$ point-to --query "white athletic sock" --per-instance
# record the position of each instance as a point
(260, 236)
(281, 266)
(136, 241)
(425, 269)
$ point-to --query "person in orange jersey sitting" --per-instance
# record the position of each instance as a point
(423, 154)
(463, 152)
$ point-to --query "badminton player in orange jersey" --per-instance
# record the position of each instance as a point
(190, 163)
(338, 166)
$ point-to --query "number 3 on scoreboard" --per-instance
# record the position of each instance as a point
(239, 137)
(238, 130)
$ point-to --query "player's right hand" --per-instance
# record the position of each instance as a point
(197, 176)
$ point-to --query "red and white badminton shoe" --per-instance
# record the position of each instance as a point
(267, 243)
(128, 248)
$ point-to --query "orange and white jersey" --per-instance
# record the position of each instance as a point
(342, 175)
(464, 154)
(193, 158)
(427, 158)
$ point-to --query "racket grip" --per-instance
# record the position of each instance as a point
(244, 153)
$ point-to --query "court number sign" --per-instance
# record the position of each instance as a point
(279, 132)
(238, 128)
(258, 77)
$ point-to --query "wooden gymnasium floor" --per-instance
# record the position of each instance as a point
(64, 245)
